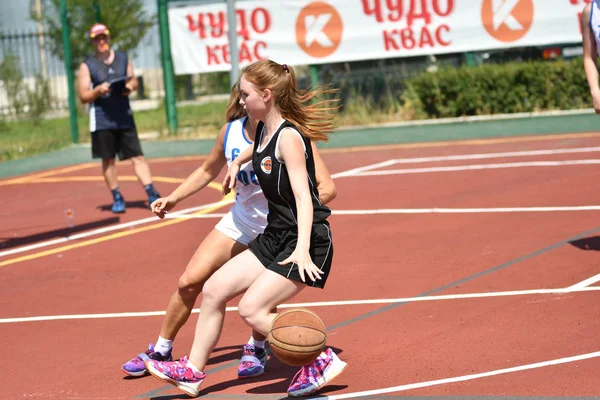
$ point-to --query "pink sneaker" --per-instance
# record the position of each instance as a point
(317, 374)
(177, 374)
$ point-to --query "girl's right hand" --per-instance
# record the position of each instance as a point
(596, 101)
(162, 206)
(230, 178)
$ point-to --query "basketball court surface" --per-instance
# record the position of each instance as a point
(464, 269)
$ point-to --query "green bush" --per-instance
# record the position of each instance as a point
(11, 78)
(498, 89)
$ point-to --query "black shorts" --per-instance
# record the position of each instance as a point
(275, 245)
(109, 143)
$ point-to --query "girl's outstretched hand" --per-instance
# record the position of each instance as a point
(305, 265)
(230, 178)
(163, 205)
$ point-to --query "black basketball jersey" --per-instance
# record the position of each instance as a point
(275, 183)
(112, 111)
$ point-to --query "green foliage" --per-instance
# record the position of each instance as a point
(126, 19)
(39, 99)
(498, 89)
(35, 100)
(11, 77)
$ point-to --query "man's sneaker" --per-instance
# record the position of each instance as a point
(152, 198)
(317, 374)
(136, 366)
(177, 374)
(253, 362)
(118, 206)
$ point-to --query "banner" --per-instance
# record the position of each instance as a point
(301, 32)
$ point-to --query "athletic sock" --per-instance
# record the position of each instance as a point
(163, 346)
(150, 190)
(191, 366)
(257, 343)
(116, 193)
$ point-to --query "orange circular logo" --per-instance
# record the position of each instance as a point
(507, 20)
(319, 29)
(266, 165)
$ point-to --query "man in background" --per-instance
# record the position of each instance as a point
(105, 81)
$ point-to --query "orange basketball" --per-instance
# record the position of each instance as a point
(297, 336)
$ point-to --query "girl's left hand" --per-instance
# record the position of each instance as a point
(305, 265)
(230, 178)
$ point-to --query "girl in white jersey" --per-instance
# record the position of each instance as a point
(295, 250)
(244, 221)
(590, 30)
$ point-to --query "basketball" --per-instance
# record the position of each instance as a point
(297, 337)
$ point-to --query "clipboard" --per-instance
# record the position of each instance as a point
(118, 84)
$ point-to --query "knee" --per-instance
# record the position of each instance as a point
(249, 311)
(214, 294)
(189, 287)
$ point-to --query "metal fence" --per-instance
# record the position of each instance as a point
(29, 55)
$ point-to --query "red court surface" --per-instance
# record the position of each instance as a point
(464, 269)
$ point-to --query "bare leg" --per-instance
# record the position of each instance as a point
(268, 291)
(229, 281)
(259, 336)
(214, 251)
(109, 170)
(142, 170)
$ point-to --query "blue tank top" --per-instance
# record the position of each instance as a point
(112, 111)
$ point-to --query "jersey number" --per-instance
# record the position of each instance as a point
(242, 176)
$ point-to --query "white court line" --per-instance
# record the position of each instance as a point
(477, 167)
(428, 211)
(317, 304)
(496, 155)
(464, 210)
(199, 216)
(354, 171)
(463, 378)
(585, 283)
(110, 229)
(153, 219)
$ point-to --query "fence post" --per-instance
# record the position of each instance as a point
(66, 37)
(313, 73)
(97, 11)
(233, 47)
(470, 59)
(167, 65)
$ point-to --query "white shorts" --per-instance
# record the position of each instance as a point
(234, 228)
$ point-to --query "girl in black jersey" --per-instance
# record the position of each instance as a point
(295, 250)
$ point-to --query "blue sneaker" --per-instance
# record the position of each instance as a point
(253, 362)
(118, 206)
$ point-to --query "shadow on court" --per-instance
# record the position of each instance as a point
(56, 233)
(128, 204)
(591, 243)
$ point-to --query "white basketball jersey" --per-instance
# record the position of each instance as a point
(250, 207)
(595, 22)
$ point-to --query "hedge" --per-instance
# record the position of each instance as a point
(498, 89)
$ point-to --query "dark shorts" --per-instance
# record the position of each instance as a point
(109, 143)
(275, 245)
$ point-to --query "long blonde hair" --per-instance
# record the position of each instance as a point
(314, 119)
(234, 109)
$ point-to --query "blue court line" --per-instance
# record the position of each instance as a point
(393, 306)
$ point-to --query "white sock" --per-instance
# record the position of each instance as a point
(163, 346)
(257, 343)
(191, 366)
